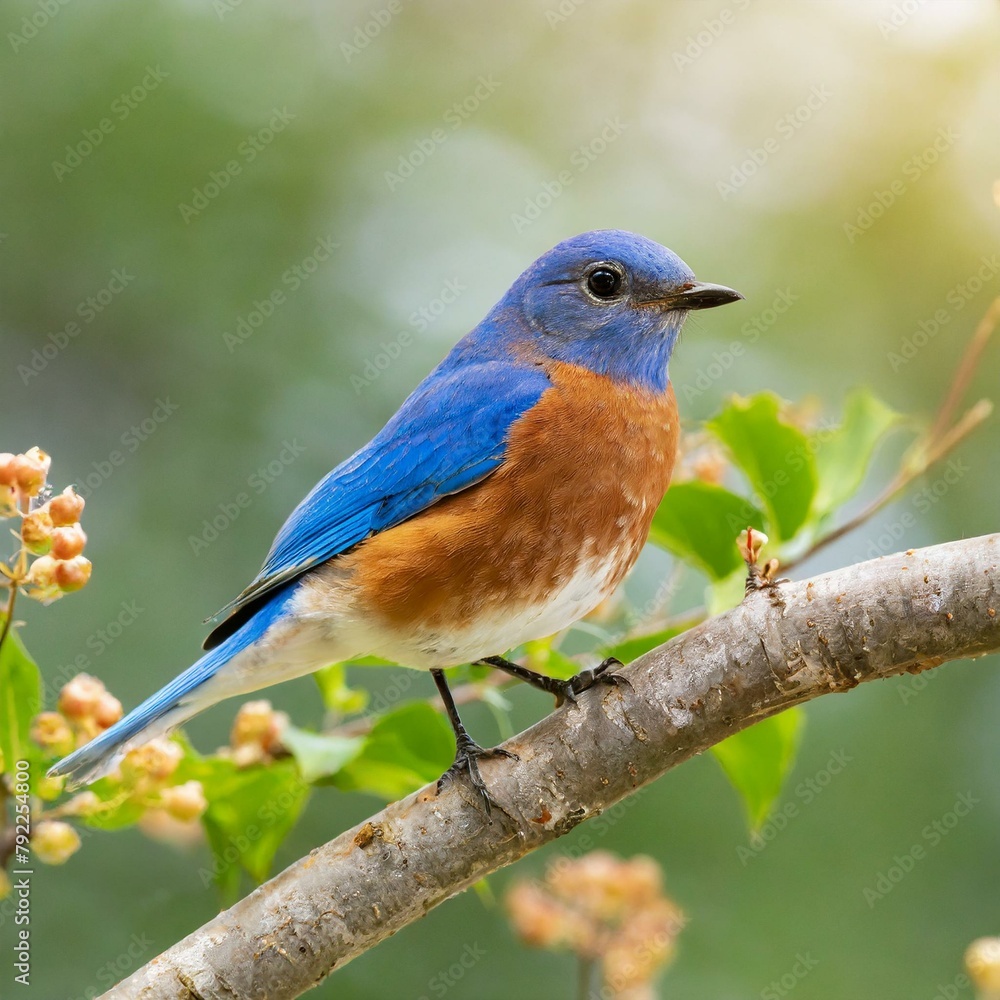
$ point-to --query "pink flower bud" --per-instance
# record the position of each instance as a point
(158, 824)
(51, 731)
(66, 508)
(184, 802)
(82, 804)
(157, 760)
(54, 843)
(709, 466)
(42, 576)
(36, 532)
(8, 476)
(68, 542)
(79, 698)
(750, 541)
(982, 961)
(30, 471)
(107, 711)
(258, 723)
(72, 574)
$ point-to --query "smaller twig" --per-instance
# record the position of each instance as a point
(966, 369)
(8, 841)
(939, 439)
(938, 448)
(910, 471)
(586, 975)
(16, 577)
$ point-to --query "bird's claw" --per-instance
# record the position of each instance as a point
(603, 673)
(468, 753)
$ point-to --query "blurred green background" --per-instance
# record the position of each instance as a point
(177, 165)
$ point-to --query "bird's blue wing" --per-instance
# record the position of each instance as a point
(449, 434)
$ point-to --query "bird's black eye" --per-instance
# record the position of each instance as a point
(604, 282)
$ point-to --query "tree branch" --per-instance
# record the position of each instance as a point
(903, 613)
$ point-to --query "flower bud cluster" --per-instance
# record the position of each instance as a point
(50, 529)
(256, 734)
(147, 774)
(605, 909)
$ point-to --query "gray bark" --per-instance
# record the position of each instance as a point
(903, 613)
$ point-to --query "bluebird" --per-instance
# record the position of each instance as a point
(508, 497)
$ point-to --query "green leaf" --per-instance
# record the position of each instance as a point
(757, 760)
(406, 748)
(632, 648)
(699, 523)
(843, 454)
(319, 756)
(776, 458)
(250, 812)
(338, 696)
(20, 701)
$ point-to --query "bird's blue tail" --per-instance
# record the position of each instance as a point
(170, 706)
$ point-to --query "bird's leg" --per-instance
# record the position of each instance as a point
(564, 690)
(467, 750)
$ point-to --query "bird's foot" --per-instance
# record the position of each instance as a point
(563, 690)
(603, 673)
(468, 753)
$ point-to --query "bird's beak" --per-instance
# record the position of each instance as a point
(696, 295)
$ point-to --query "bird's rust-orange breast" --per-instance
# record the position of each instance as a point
(584, 471)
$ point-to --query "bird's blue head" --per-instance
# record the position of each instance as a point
(609, 301)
